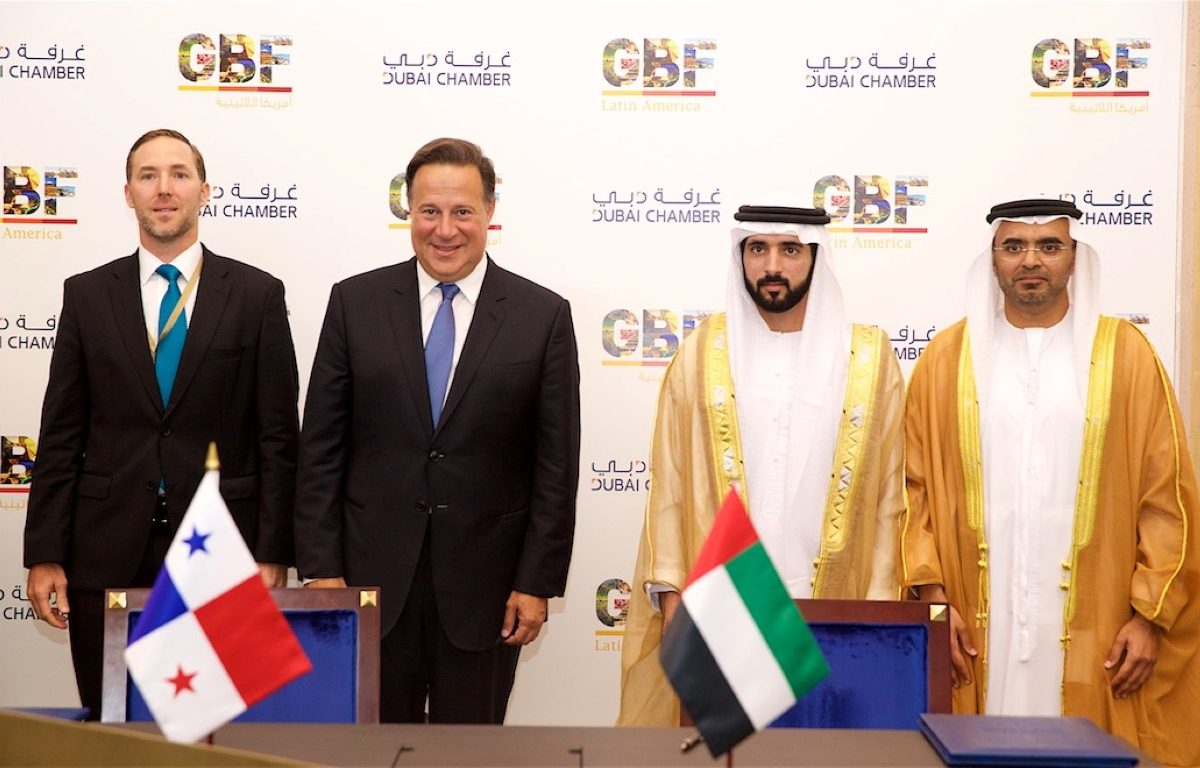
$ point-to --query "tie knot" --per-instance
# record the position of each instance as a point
(449, 291)
(169, 271)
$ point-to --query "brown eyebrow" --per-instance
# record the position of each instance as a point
(174, 167)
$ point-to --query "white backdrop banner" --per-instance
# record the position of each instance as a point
(625, 136)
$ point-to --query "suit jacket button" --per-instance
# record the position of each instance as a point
(422, 506)
(436, 455)
(165, 432)
(151, 485)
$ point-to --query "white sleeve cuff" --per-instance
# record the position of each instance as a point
(653, 590)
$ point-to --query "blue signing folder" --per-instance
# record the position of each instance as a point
(338, 629)
(328, 694)
(1023, 741)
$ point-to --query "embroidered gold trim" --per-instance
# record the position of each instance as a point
(724, 438)
(1095, 425)
(858, 415)
(971, 450)
(1175, 439)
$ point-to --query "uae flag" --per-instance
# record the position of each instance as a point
(738, 653)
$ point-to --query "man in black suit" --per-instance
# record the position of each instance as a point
(156, 355)
(442, 466)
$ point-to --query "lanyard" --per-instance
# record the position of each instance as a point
(176, 312)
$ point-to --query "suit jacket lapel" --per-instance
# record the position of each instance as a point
(126, 295)
(484, 325)
(211, 295)
(404, 314)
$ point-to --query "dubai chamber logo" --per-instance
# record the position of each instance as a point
(871, 73)
(38, 199)
(1127, 207)
(910, 343)
(870, 205)
(402, 217)
(449, 69)
(675, 206)
(27, 62)
(270, 201)
(619, 476)
(245, 71)
(646, 339)
(1093, 71)
(612, 608)
(24, 332)
(658, 75)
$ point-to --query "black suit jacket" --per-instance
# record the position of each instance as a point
(106, 437)
(495, 481)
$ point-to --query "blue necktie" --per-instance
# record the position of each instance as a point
(439, 350)
(170, 347)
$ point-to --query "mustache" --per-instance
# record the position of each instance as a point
(773, 280)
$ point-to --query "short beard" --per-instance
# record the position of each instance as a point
(788, 299)
(1031, 300)
(1027, 299)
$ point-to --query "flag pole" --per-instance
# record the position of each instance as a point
(212, 463)
(689, 744)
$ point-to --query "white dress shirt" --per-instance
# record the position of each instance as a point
(154, 285)
(463, 305)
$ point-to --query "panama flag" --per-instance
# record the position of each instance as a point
(738, 653)
(211, 641)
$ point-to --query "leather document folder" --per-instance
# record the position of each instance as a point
(1023, 741)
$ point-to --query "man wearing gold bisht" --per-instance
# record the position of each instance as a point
(800, 410)
(1052, 499)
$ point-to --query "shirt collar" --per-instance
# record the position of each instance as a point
(468, 286)
(185, 262)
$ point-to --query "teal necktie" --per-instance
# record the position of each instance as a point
(170, 347)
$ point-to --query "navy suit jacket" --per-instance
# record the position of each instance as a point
(107, 438)
(495, 482)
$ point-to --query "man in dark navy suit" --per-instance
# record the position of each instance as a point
(157, 354)
(440, 452)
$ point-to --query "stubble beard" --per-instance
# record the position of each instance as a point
(165, 233)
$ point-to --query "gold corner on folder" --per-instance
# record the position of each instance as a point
(117, 601)
(939, 612)
(367, 597)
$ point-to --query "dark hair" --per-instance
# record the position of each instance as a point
(453, 152)
(158, 133)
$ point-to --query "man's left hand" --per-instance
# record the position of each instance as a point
(1137, 642)
(274, 575)
(524, 616)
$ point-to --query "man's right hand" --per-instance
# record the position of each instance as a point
(46, 579)
(668, 603)
(961, 645)
(334, 582)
